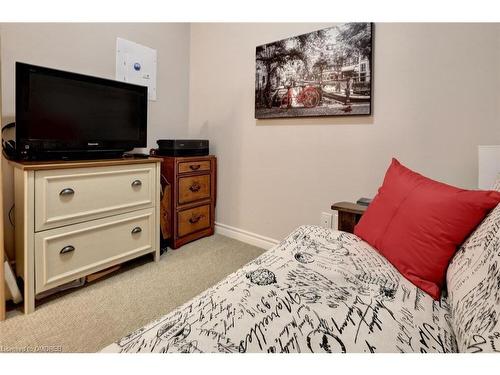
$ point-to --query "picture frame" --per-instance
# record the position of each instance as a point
(327, 72)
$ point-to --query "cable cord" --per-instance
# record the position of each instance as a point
(9, 147)
(10, 216)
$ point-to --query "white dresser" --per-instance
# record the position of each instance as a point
(76, 218)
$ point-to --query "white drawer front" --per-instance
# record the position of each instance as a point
(65, 254)
(69, 196)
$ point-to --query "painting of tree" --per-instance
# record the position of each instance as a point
(325, 72)
(275, 57)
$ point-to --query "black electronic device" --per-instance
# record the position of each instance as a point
(68, 115)
(364, 201)
(9, 146)
(182, 147)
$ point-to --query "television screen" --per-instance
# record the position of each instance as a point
(58, 111)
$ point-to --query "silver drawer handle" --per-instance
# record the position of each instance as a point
(67, 249)
(136, 183)
(67, 191)
(136, 230)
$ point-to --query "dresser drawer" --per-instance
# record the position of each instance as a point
(194, 166)
(69, 196)
(193, 220)
(65, 254)
(193, 188)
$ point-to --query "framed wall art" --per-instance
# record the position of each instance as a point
(326, 72)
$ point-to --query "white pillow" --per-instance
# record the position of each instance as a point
(496, 185)
(474, 289)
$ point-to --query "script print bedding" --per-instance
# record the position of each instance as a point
(317, 291)
(474, 288)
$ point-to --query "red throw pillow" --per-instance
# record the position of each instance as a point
(417, 224)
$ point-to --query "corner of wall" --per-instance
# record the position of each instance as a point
(190, 62)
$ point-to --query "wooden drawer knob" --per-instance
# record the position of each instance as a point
(194, 167)
(195, 187)
(194, 219)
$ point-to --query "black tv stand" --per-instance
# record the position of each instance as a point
(135, 155)
(93, 155)
(73, 155)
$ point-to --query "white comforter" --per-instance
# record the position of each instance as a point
(317, 291)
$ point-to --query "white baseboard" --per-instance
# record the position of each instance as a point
(245, 236)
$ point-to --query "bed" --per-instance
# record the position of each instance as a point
(317, 291)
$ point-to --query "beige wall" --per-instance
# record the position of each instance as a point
(90, 49)
(436, 98)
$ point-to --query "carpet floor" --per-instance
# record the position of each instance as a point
(92, 317)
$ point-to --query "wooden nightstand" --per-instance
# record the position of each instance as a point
(188, 206)
(349, 215)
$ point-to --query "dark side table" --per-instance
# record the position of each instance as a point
(349, 215)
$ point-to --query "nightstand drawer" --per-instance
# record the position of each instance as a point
(193, 220)
(69, 196)
(193, 188)
(194, 166)
(65, 254)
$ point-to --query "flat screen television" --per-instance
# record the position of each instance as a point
(68, 115)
